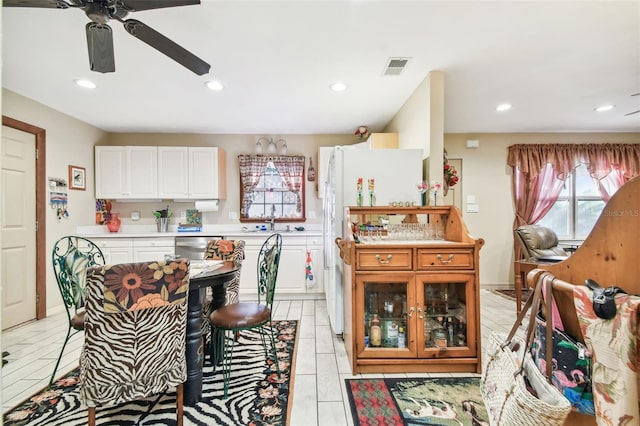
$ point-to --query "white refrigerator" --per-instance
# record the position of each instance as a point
(396, 172)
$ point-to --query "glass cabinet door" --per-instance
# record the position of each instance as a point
(386, 316)
(446, 315)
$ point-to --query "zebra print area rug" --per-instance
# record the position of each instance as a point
(256, 394)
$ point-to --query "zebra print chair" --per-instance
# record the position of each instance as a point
(135, 327)
(71, 256)
(227, 250)
(228, 320)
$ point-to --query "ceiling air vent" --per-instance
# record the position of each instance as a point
(395, 66)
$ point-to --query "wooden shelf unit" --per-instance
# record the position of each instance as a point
(416, 279)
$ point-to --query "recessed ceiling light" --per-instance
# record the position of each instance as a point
(338, 87)
(604, 108)
(214, 85)
(87, 84)
(504, 107)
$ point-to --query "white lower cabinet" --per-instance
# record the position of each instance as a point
(147, 249)
(291, 270)
(115, 250)
(314, 247)
(126, 250)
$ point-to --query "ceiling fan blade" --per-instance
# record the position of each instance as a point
(166, 46)
(52, 4)
(100, 44)
(631, 113)
(137, 5)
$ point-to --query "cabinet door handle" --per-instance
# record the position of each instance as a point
(384, 262)
(439, 257)
(419, 312)
(411, 311)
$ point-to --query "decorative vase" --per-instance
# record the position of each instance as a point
(372, 199)
(359, 199)
(113, 225)
(445, 188)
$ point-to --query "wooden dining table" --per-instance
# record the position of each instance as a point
(216, 279)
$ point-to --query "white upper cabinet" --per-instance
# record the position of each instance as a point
(173, 179)
(196, 173)
(126, 172)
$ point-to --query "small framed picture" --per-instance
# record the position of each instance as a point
(77, 178)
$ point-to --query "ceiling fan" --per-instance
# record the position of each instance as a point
(633, 112)
(100, 36)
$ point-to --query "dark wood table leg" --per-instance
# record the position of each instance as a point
(194, 348)
(218, 299)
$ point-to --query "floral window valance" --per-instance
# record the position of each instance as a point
(272, 184)
(600, 159)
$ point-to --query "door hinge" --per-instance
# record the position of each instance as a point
(37, 223)
(36, 153)
(37, 297)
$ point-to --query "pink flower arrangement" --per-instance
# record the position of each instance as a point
(422, 187)
(450, 175)
(435, 186)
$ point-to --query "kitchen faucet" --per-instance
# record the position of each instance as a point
(272, 219)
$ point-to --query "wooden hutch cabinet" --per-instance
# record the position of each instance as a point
(412, 302)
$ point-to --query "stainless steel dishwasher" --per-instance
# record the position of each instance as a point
(192, 247)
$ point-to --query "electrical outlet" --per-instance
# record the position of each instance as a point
(311, 214)
(472, 208)
(183, 215)
(233, 215)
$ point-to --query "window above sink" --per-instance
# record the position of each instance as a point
(272, 188)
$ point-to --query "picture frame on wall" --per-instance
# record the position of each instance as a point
(77, 178)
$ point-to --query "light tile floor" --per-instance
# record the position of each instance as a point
(319, 395)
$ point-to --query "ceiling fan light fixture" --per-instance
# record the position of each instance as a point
(87, 84)
(338, 87)
(504, 107)
(603, 108)
(214, 85)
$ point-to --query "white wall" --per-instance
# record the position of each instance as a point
(420, 124)
(68, 142)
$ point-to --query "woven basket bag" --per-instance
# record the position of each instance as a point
(504, 384)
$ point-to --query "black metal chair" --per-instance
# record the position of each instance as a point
(71, 258)
(228, 320)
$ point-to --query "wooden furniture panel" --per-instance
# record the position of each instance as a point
(384, 259)
(431, 259)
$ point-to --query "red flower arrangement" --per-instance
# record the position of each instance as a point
(450, 175)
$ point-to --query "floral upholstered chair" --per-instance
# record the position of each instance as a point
(135, 328)
(231, 251)
(227, 250)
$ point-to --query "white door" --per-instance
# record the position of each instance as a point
(17, 222)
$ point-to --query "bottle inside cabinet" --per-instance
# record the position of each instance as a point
(445, 322)
(386, 310)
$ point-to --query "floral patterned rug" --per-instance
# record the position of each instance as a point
(417, 401)
(256, 395)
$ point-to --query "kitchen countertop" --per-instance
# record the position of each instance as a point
(233, 230)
